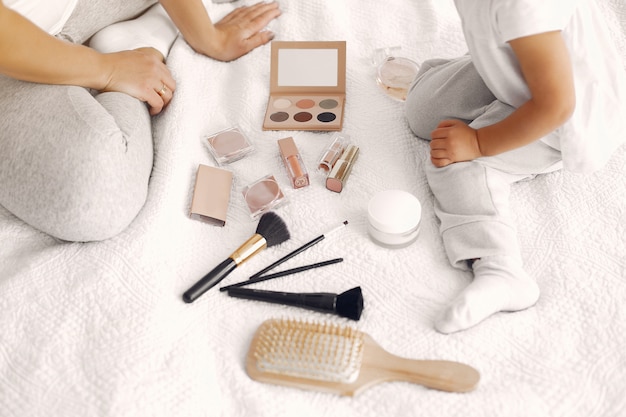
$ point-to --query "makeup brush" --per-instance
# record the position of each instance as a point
(298, 250)
(270, 231)
(348, 304)
(282, 273)
(342, 360)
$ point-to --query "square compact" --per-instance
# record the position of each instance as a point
(263, 195)
(307, 86)
(229, 145)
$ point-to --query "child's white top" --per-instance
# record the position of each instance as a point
(597, 127)
(49, 15)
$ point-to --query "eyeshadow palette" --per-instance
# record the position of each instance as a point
(307, 86)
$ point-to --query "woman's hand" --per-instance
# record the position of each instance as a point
(235, 35)
(142, 74)
(241, 30)
(453, 141)
(36, 56)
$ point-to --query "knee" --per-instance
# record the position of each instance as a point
(102, 200)
(80, 200)
(421, 106)
(94, 215)
(94, 207)
(419, 115)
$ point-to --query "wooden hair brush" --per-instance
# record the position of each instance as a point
(342, 360)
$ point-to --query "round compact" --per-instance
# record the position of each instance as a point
(395, 76)
(394, 218)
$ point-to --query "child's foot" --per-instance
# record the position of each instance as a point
(500, 284)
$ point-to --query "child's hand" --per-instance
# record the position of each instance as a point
(453, 141)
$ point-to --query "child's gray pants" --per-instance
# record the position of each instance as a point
(472, 198)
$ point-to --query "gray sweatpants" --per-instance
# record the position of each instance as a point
(472, 198)
(73, 163)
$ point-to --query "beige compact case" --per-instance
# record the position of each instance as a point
(211, 195)
(307, 86)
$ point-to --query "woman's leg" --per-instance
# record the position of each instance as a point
(90, 17)
(73, 166)
(472, 198)
(153, 28)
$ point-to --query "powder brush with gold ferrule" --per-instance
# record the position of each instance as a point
(270, 231)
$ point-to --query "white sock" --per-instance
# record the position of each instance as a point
(500, 284)
(154, 28)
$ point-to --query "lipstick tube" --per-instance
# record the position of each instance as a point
(292, 160)
(338, 176)
(333, 152)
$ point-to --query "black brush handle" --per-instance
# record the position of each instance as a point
(209, 280)
(288, 256)
(322, 301)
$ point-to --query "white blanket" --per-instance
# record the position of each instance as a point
(99, 329)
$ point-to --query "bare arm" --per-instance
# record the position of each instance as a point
(28, 53)
(235, 35)
(546, 66)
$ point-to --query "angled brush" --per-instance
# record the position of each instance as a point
(270, 231)
(348, 304)
(342, 360)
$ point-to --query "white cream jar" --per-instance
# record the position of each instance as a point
(394, 218)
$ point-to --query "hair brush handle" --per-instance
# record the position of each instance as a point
(379, 365)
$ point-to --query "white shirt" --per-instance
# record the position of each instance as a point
(597, 127)
(49, 15)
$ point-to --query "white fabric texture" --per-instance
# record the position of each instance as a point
(100, 329)
(588, 138)
(49, 15)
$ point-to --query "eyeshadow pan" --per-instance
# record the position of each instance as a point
(328, 104)
(326, 117)
(305, 103)
(282, 103)
(303, 116)
(280, 116)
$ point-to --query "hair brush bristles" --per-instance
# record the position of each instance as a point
(273, 229)
(319, 351)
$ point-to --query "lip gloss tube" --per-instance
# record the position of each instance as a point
(337, 178)
(293, 163)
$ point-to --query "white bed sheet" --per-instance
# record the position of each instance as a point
(99, 329)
